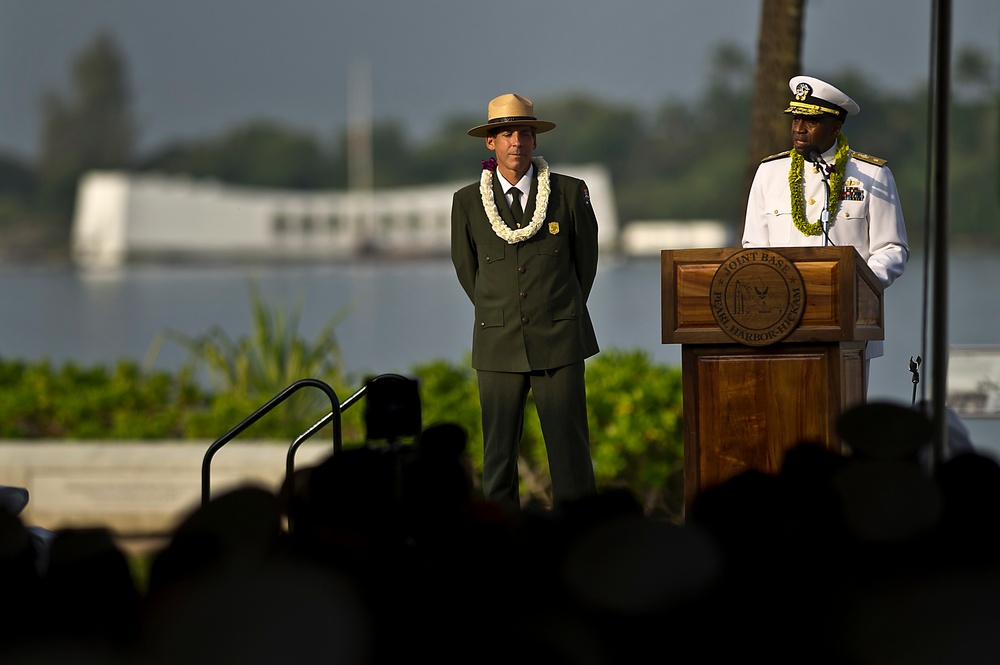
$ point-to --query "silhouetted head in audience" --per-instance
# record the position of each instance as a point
(239, 528)
(437, 478)
(89, 592)
(891, 505)
(885, 431)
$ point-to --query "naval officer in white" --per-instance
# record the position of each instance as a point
(788, 194)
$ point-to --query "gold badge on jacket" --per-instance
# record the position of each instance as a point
(553, 228)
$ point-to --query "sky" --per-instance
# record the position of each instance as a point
(197, 68)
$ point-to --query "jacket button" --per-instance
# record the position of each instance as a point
(556, 251)
(523, 294)
(525, 320)
(522, 269)
(487, 258)
(482, 324)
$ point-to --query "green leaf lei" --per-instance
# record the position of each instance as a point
(796, 187)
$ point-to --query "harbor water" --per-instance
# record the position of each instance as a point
(397, 314)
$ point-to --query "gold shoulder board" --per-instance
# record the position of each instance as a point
(865, 157)
(777, 156)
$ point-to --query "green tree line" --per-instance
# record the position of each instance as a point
(682, 160)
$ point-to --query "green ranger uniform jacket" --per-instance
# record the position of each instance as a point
(530, 297)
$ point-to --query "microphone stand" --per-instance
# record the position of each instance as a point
(825, 216)
(915, 370)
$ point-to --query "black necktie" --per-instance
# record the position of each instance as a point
(515, 205)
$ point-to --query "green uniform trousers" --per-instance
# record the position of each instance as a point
(561, 400)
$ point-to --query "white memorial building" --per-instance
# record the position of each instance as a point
(125, 217)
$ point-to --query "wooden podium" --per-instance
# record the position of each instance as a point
(748, 399)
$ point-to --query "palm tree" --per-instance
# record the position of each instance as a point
(779, 56)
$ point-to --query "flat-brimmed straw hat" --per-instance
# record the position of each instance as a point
(510, 109)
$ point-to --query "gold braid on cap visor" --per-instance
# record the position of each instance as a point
(811, 109)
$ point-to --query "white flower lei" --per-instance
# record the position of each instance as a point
(514, 236)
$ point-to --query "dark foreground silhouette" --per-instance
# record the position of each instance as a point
(386, 555)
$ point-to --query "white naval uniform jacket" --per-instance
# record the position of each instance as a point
(869, 215)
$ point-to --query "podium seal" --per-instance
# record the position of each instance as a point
(757, 296)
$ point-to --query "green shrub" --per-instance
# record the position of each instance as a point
(636, 429)
(634, 405)
(246, 373)
(41, 402)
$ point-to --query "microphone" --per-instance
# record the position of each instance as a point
(812, 154)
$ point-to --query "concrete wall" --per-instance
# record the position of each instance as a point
(137, 488)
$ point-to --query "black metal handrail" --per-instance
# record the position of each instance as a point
(322, 422)
(334, 415)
